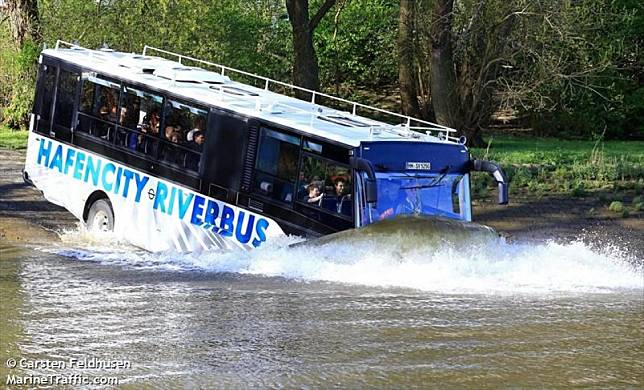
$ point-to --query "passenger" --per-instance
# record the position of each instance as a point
(192, 159)
(412, 203)
(128, 119)
(173, 134)
(200, 125)
(148, 144)
(107, 112)
(198, 141)
(108, 106)
(339, 184)
(287, 170)
(314, 195)
(337, 200)
(388, 201)
(171, 153)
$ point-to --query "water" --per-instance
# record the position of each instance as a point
(360, 315)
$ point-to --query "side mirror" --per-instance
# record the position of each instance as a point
(371, 191)
(498, 175)
(371, 187)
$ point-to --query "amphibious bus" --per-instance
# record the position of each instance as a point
(171, 153)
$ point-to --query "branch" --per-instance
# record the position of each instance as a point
(324, 8)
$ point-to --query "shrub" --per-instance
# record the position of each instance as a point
(18, 75)
(617, 207)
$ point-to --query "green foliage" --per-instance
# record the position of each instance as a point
(586, 69)
(566, 68)
(251, 35)
(357, 45)
(17, 75)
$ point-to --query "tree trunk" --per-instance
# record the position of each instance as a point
(305, 63)
(443, 72)
(406, 79)
(24, 21)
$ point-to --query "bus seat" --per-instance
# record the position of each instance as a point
(266, 187)
(346, 205)
(330, 203)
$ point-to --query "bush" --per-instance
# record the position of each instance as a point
(617, 207)
(17, 92)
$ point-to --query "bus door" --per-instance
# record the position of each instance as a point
(55, 104)
(223, 157)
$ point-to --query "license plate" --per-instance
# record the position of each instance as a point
(419, 165)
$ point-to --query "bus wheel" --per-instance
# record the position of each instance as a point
(100, 217)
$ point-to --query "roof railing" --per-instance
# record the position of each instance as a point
(407, 124)
(407, 120)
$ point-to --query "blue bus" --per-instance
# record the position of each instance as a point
(171, 153)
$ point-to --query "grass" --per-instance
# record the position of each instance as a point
(13, 139)
(612, 170)
(526, 150)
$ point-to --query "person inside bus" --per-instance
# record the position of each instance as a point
(314, 194)
(147, 144)
(192, 159)
(107, 111)
(128, 119)
(286, 170)
(388, 201)
(199, 125)
(170, 153)
(108, 105)
(339, 202)
(412, 203)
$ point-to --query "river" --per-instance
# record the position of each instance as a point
(354, 316)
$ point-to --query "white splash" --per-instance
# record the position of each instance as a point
(495, 267)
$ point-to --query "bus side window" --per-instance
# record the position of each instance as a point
(139, 120)
(98, 108)
(184, 134)
(276, 166)
(65, 98)
(325, 185)
(47, 98)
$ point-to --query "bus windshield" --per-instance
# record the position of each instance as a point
(399, 193)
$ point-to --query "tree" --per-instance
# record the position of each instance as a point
(406, 73)
(305, 63)
(443, 73)
(24, 21)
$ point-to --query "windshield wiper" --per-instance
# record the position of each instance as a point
(404, 175)
(435, 183)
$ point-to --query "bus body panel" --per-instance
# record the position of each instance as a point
(154, 214)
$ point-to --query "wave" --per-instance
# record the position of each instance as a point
(490, 267)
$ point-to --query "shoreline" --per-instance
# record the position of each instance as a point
(26, 217)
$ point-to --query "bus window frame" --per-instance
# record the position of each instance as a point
(91, 116)
(295, 203)
(117, 125)
(47, 128)
(351, 173)
(165, 105)
(57, 128)
(289, 133)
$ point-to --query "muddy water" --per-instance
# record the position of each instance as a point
(521, 315)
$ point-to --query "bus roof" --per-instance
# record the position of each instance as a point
(218, 90)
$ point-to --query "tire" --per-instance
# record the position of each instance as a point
(100, 217)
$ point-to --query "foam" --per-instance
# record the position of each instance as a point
(485, 268)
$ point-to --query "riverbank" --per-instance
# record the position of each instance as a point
(27, 217)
